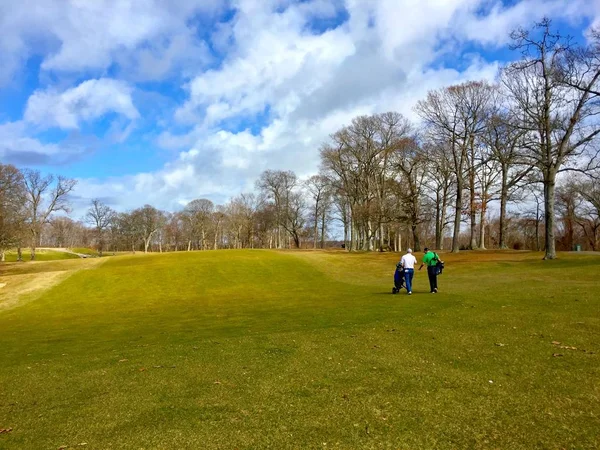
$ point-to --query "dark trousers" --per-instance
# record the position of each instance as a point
(432, 274)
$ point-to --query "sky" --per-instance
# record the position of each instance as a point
(164, 101)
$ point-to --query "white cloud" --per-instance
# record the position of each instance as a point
(19, 148)
(82, 35)
(90, 100)
(304, 80)
(494, 28)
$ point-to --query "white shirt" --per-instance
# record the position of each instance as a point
(409, 261)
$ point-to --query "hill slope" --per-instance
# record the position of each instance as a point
(265, 349)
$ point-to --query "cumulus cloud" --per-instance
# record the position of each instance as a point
(18, 147)
(80, 35)
(90, 100)
(264, 88)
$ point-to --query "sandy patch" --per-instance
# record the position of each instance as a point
(21, 288)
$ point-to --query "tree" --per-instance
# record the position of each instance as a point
(62, 231)
(359, 160)
(556, 90)
(174, 230)
(409, 162)
(294, 211)
(147, 221)
(100, 216)
(505, 140)
(12, 200)
(44, 196)
(588, 209)
(440, 180)
(198, 214)
(319, 189)
(456, 116)
(277, 186)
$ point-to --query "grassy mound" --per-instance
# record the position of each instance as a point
(264, 349)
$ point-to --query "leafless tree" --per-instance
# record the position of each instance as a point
(358, 157)
(44, 196)
(409, 161)
(555, 88)
(440, 181)
(456, 116)
(198, 216)
(278, 186)
(147, 221)
(505, 142)
(99, 216)
(319, 189)
(12, 200)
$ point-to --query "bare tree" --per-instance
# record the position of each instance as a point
(12, 200)
(556, 90)
(588, 212)
(410, 163)
(505, 141)
(99, 216)
(456, 116)
(278, 186)
(359, 160)
(440, 180)
(198, 215)
(319, 189)
(61, 232)
(44, 196)
(147, 221)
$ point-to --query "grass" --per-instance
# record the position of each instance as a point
(265, 349)
(40, 255)
(84, 251)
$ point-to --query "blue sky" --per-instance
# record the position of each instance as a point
(165, 101)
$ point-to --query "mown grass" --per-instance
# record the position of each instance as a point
(264, 349)
(84, 251)
(40, 255)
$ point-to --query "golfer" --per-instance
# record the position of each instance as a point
(430, 259)
(408, 262)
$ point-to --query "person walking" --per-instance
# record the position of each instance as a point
(430, 259)
(408, 261)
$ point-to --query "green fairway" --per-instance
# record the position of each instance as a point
(40, 255)
(266, 349)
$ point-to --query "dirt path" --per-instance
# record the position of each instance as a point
(21, 283)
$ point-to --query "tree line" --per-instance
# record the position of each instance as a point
(479, 149)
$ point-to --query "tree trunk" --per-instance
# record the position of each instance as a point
(549, 186)
(482, 225)
(416, 239)
(34, 238)
(19, 253)
(370, 245)
(352, 236)
(438, 221)
(503, 201)
(457, 215)
(316, 228)
(472, 211)
(2, 256)
(323, 229)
